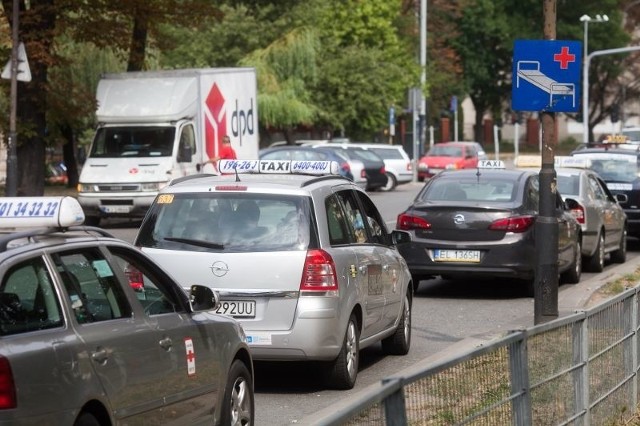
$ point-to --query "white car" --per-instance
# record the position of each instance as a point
(396, 163)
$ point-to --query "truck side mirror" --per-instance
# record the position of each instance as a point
(184, 153)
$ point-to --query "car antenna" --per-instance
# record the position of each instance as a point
(235, 169)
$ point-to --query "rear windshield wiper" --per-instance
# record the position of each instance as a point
(199, 243)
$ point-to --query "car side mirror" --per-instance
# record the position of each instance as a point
(621, 198)
(400, 237)
(202, 298)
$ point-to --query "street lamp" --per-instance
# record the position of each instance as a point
(586, 19)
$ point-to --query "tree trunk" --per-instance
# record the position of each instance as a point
(138, 42)
(69, 155)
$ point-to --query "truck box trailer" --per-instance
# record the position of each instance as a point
(160, 125)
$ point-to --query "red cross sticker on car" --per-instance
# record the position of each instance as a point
(546, 75)
(191, 356)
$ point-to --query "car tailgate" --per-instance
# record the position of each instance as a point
(271, 279)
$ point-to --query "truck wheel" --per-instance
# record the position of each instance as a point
(344, 369)
(92, 220)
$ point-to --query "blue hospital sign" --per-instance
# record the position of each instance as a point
(546, 75)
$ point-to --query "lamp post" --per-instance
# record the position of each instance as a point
(586, 19)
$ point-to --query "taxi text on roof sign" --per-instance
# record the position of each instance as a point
(279, 167)
(32, 212)
(491, 164)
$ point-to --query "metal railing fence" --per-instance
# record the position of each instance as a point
(577, 370)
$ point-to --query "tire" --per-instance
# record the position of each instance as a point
(343, 371)
(86, 419)
(572, 275)
(595, 263)
(391, 184)
(620, 255)
(399, 342)
(238, 405)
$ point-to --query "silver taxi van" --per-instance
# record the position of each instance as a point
(299, 255)
(93, 332)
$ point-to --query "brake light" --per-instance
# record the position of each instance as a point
(363, 174)
(383, 170)
(135, 278)
(7, 386)
(345, 167)
(513, 224)
(231, 188)
(319, 274)
(409, 167)
(407, 222)
(578, 213)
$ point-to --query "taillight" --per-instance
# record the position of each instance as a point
(578, 213)
(409, 167)
(345, 167)
(136, 280)
(407, 222)
(363, 174)
(319, 274)
(383, 170)
(7, 386)
(513, 224)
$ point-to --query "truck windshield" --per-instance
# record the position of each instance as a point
(112, 142)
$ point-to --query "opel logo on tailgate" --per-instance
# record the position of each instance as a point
(219, 268)
(458, 219)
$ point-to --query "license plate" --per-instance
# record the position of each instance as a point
(237, 308)
(464, 256)
(116, 209)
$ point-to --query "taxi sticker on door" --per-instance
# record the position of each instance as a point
(191, 356)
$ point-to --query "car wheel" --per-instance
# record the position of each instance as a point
(572, 275)
(392, 182)
(595, 263)
(86, 419)
(400, 341)
(92, 220)
(620, 255)
(238, 402)
(344, 369)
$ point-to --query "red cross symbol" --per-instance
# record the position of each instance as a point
(564, 57)
(190, 356)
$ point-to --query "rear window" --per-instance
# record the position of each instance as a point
(496, 190)
(387, 153)
(228, 222)
(613, 167)
(445, 151)
(568, 184)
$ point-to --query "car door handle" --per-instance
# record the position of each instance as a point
(100, 355)
(362, 269)
(166, 343)
(386, 268)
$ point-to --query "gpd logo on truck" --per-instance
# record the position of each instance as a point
(216, 120)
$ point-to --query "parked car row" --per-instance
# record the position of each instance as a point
(372, 166)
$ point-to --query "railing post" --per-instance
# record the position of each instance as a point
(395, 412)
(580, 375)
(519, 371)
(633, 321)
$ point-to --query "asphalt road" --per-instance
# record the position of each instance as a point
(447, 318)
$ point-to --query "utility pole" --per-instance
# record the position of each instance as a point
(546, 277)
(11, 187)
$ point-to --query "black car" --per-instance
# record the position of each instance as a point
(619, 168)
(479, 223)
(301, 153)
(374, 167)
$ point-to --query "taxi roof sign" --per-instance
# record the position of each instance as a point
(528, 161)
(279, 167)
(491, 164)
(34, 212)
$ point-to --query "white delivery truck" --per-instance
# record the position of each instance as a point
(160, 125)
